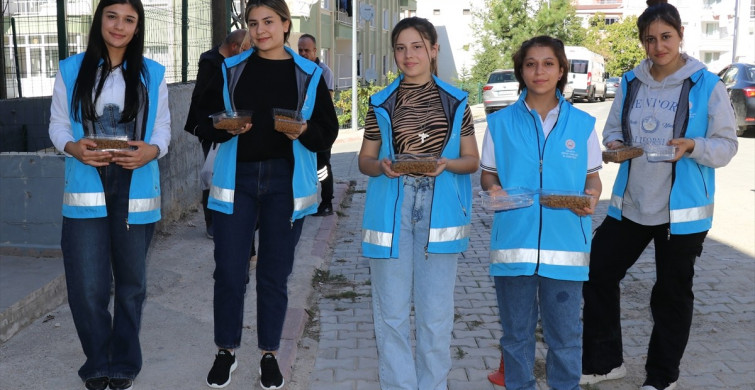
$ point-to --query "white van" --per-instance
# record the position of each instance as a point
(586, 73)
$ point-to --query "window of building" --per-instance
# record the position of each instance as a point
(325, 4)
(710, 29)
(611, 20)
(467, 11)
(386, 20)
(752, 9)
(710, 3)
(436, 11)
(710, 56)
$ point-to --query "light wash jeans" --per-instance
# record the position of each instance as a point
(429, 279)
(558, 301)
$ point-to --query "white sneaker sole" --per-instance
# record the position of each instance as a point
(228, 382)
(591, 379)
(283, 382)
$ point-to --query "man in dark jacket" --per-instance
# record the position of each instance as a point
(207, 98)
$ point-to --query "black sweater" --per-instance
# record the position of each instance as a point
(264, 85)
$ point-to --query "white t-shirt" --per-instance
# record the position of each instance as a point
(594, 154)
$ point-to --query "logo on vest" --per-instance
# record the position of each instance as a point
(569, 152)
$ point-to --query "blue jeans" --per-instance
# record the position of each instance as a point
(427, 277)
(264, 197)
(558, 301)
(97, 251)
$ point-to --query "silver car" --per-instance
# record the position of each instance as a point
(501, 90)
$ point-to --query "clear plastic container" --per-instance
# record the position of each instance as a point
(288, 121)
(622, 154)
(660, 153)
(231, 120)
(110, 143)
(514, 198)
(414, 163)
(565, 199)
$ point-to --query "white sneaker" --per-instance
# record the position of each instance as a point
(671, 386)
(616, 373)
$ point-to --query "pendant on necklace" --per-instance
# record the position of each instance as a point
(422, 137)
(649, 123)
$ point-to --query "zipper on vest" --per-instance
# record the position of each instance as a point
(127, 226)
(430, 222)
(668, 233)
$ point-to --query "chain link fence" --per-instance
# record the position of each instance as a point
(31, 43)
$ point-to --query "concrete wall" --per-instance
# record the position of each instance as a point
(23, 124)
(31, 183)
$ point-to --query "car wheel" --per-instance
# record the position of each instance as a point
(741, 130)
(591, 96)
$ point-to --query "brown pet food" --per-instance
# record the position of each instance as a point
(234, 123)
(565, 201)
(287, 125)
(623, 154)
(109, 144)
(414, 166)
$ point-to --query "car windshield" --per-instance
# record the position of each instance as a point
(501, 77)
(613, 80)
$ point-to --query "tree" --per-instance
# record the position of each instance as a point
(502, 25)
(617, 43)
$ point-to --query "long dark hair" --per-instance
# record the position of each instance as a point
(425, 29)
(97, 52)
(545, 41)
(658, 10)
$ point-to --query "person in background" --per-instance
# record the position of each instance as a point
(668, 99)
(207, 98)
(267, 177)
(541, 142)
(111, 199)
(416, 224)
(308, 50)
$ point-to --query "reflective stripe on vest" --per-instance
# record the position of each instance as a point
(84, 199)
(617, 201)
(524, 255)
(304, 202)
(449, 234)
(142, 205)
(692, 214)
(221, 194)
(375, 237)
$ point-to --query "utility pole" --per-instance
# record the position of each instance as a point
(3, 87)
(736, 32)
(219, 21)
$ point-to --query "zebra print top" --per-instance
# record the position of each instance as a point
(419, 123)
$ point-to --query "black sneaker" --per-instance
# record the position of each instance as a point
(323, 211)
(220, 373)
(270, 374)
(121, 383)
(99, 383)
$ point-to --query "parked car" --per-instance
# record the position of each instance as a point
(612, 84)
(501, 90)
(740, 83)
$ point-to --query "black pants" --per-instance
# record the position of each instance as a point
(616, 246)
(323, 161)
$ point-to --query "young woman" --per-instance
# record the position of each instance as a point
(263, 177)
(670, 98)
(111, 199)
(415, 225)
(541, 142)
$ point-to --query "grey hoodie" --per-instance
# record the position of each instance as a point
(649, 187)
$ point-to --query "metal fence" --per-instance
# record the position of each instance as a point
(31, 50)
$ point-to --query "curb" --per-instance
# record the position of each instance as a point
(297, 317)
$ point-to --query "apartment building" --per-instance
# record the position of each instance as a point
(717, 32)
(453, 21)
